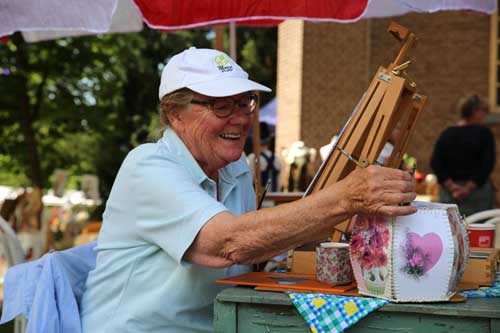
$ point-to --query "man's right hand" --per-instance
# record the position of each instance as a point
(378, 190)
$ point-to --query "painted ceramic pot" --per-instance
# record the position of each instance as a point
(419, 257)
(332, 263)
(375, 279)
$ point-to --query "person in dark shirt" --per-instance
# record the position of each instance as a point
(464, 157)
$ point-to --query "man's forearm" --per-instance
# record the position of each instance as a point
(263, 234)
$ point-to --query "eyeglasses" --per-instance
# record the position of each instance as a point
(224, 107)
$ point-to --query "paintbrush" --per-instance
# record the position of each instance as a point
(268, 184)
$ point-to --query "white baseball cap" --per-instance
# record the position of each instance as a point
(207, 72)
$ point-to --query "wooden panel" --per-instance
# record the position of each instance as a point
(302, 262)
(273, 312)
(224, 316)
(270, 318)
(495, 325)
(412, 108)
(384, 121)
(481, 271)
(378, 322)
(474, 307)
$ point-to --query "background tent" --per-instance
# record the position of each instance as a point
(268, 112)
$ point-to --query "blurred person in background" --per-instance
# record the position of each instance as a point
(270, 165)
(464, 157)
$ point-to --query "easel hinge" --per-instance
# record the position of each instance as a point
(384, 77)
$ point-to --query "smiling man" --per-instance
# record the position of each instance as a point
(181, 213)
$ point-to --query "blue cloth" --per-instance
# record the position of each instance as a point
(325, 313)
(160, 200)
(48, 290)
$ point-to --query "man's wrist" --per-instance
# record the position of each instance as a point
(470, 185)
(449, 185)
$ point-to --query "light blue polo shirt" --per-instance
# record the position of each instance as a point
(160, 200)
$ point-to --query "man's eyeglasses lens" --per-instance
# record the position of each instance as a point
(224, 107)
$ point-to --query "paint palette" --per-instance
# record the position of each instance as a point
(288, 282)
(415, 258)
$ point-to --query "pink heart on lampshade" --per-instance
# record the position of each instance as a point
(431, 244)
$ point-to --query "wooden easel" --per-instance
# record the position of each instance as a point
(390, 101)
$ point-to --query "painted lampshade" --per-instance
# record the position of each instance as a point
(415, 258)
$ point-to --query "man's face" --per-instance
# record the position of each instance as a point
(478, 117)
(214, 142)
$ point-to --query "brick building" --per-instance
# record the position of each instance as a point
(323, 70)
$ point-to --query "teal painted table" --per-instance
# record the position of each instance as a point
(245, 310)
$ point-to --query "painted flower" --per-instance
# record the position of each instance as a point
(376, 241)
(357, 243)
(417, 259)
(369, 241)
(368, 258)
(380, 259)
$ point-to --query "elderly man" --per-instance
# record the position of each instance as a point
(181, 213)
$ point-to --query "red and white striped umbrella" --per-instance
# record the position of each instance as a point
(175, 15)
(73, 17)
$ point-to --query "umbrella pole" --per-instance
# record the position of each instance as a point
(219, 38)
(256, 153)
(232, 40)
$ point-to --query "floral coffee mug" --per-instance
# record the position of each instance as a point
(332, 263)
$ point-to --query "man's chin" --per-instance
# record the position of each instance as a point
(233, 157)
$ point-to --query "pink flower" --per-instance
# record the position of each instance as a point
(370, 238)
(380, 259)
(376, 241)
(417, 259)
(357, 243)
(367, 257)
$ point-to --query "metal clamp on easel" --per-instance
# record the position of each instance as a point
(360, 163)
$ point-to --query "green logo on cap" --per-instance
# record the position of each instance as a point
(220, 60)
(223, 63)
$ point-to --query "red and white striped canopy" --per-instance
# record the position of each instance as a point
(174, 14)
(50, 19)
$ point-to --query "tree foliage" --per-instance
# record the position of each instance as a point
(92, 99)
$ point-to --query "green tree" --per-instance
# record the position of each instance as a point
(257, 50)
(82, 103)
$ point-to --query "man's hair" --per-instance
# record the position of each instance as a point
(469, 105)
(172, 101)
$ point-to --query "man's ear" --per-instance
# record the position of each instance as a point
(175, 116)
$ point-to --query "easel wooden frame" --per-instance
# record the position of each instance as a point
(390, 101)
